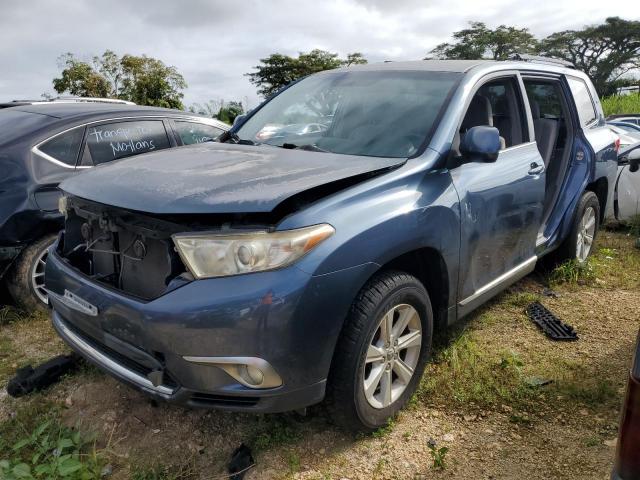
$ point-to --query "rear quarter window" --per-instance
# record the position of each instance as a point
(112, 141)
(584, 103)
(64, 147)
(193, 132)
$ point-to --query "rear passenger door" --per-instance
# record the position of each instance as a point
(105, 142)
(501, 202)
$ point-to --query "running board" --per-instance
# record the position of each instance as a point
(494, 287)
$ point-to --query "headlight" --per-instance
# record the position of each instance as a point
(217, 255)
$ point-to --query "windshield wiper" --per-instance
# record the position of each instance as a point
(237, 140)
(308, 146)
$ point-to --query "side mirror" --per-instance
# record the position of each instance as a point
(634, 160)
(239, 119)
(481, 143)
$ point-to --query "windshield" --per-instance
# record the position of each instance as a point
(370, 113)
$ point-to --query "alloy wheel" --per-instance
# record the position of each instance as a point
(586, 233)
(37, 276)
(392, 356)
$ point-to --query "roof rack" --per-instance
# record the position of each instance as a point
(523, 57)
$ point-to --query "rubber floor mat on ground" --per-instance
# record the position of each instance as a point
(551, 325)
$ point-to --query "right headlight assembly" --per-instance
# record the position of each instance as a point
(218, 255)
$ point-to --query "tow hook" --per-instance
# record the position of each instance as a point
(156, 377)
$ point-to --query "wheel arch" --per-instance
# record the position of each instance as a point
(428, 265)
(601, 188)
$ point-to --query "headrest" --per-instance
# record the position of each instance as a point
(479, 113)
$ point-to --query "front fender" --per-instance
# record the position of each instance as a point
(392, 217)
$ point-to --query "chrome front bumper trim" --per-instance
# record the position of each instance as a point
(87, 350)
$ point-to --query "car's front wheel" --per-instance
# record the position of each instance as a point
(381, 353)
(25, 281)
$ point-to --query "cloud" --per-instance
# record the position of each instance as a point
(214, 43)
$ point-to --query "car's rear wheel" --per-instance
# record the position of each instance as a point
(579, 244)
(25, 282)
(382, 352)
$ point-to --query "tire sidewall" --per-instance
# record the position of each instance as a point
(417, 297)
(19, 281)
(588, 199)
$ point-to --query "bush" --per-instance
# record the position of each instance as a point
(620, 104)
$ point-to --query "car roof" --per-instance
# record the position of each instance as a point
(45, 119)
(63, 110)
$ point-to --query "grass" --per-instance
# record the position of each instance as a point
(466, 374)
(272, 431)
(35, 444)
(479, 367)
(164, 472)
(574, 273)
(10, 314)
(591, 392)
(25, 338)
(617, 104)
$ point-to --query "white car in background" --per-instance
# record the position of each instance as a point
(626, 137)
(626, 204)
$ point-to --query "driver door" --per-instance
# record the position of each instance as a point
(501, 203)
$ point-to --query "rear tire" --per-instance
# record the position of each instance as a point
(579, 244)
(25, 281)
(386, 338)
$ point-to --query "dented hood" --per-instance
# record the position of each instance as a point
(216, 178)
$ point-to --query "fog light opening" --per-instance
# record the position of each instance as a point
(252, 375)
(252, 372)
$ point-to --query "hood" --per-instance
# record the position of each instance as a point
(216, 178)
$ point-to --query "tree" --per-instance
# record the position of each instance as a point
(80, 79)
(140, 79)
(209, 109)
(230, 111)
(223, 111)
(277, 70)
(148, 81)
(605, 52)
(478, 41)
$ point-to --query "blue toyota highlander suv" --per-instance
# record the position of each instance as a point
(274, 270)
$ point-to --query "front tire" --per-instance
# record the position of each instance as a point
(25, 281)
(579, 244)
(381, 353)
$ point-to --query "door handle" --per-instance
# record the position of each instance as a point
(535, 168)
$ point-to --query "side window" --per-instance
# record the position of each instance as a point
(112, 141)
(584, 103)
(499, 104)
(544, 99)
(64, 147)
(192, 132)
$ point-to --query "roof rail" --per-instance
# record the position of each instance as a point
(71, 99)
(90, 99)
(523, 57)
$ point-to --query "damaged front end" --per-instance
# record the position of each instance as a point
(128, 251)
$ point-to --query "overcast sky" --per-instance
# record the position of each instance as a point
(213, 43)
